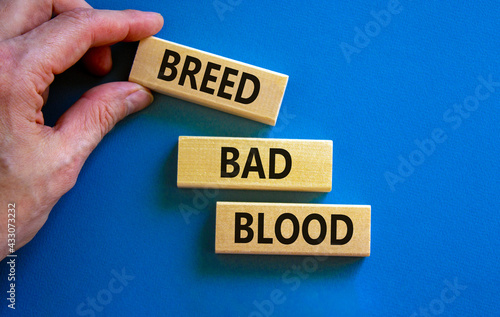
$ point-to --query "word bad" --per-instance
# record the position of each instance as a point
(258, 167)
(251, 163)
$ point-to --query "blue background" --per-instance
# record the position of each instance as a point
(439, 223)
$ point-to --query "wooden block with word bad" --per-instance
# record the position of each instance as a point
(294, 229)
(250, 163)
(209, 80)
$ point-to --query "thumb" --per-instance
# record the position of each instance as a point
(85, 124)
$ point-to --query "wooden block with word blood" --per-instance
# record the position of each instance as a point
(209, 80)
(294, 229)
(250, 163)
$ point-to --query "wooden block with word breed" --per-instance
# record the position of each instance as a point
(209, 80)
(293, 229)
(251, 163)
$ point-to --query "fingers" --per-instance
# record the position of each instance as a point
(98, 61)
(60, 6)
(21, 16)
(84, 125)
(39, 118)
(61, 42)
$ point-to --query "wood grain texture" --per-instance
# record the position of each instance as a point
(266, 232)
(201, 163)
(205, 89)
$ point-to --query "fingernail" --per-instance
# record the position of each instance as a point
(155, 14)
(138, 100)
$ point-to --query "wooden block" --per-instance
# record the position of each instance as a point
(295, 229)
(249, 163)
(209, 80)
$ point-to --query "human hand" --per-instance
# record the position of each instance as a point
(39, 164)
